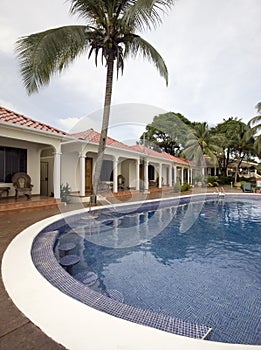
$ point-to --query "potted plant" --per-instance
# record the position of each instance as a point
(65, 191)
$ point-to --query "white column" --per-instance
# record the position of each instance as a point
(57, 175)
(115, 175)
(188, 176)
(82, 175)
(146, 175)
(170, 175)
(137, 174)
(182, 176)
(175, 174)
(160, 175)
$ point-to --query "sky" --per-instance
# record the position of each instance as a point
(212, 49)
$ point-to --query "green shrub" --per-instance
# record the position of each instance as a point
(185, 187)
(212, 181)
(225, 180)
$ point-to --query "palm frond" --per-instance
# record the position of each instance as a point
(45, 53)
(146, 14)
(92, 11)
(258, 107)
(138, 45)
(255, 120)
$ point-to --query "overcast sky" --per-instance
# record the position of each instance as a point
(212, 49)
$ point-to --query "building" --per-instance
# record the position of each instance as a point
(53, 157)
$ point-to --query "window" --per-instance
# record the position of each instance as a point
(12, 160)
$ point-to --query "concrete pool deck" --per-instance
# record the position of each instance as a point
(95, 330)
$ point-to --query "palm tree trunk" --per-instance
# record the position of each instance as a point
(105, 124)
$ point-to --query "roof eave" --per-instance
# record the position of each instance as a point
(35, 131)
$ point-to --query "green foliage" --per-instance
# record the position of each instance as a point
(65, 191)
(212, 181)
(255, 123)
(225, 180)
(185, 187)
(236, 142)
(200, 142)
(110, 30)
(167, 133)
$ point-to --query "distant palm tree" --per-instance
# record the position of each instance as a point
(255, 122)
(110, 30)
(202, 142)
(243, 147)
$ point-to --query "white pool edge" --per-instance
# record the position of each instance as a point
(73, 324)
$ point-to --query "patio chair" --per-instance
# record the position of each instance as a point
(121, 182)
(247, 187)
(22, 184)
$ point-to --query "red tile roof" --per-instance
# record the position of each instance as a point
(18, 119)
(91, 135)
(151, 152)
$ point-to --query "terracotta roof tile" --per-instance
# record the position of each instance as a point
(151, 152)
(91, 135)
(18, 119)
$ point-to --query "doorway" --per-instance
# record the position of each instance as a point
(44, 179)
(88, 174)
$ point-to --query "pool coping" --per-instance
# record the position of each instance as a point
(47, 304)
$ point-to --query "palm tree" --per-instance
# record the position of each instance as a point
(243, 147)
(257, 127)
(110, 30)
(201, 142)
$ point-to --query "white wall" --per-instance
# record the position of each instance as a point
(70, 170)
(132, 174)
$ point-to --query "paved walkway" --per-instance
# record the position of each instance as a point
(16, 331)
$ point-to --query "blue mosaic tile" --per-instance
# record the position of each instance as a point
(47, 264)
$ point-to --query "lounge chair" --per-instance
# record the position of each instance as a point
(22, 184)
(247, 187)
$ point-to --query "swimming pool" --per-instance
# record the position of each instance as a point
(81, 318)
(203, 267)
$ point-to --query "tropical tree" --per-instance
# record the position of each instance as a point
(111, 31)
(236, 141)
(167, 132)
(243, 147)
(255, 122)
(228, 131)
(202, 142)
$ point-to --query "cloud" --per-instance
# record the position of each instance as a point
(212, 50)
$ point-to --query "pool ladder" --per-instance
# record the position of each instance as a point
(220, 191)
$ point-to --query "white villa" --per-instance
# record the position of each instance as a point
(52, 157)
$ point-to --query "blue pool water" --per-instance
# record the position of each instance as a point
(199, 262)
